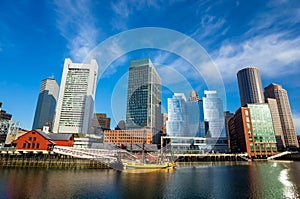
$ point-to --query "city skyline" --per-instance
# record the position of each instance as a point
(55, 31)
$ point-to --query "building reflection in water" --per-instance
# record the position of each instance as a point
(257, 180)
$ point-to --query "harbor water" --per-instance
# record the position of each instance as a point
(258, 179)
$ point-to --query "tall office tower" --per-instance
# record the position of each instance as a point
(250, 86)
(75, 106)
(144, 96)
(213, 114)
(276, 91)
(276, 123)
(45, 108)
(195, 115)
(177, 124)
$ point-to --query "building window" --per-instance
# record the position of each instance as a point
(33, 145)
(38, 145)
(34, 138)
(28, 146)
(24, 145)
(33, 132)
(30, 138)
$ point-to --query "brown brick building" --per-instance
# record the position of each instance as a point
(133, 136)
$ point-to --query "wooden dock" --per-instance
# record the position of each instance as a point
(47, 160)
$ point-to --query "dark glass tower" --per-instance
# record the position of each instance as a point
(45, 109)
(144, 96)
(250, 86)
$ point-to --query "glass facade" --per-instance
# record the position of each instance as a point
(144, 96)
(195, 117)
(262, 137)
(186, 118)
(213, 114)
(177, 117)
(262, 123)
(45, 109)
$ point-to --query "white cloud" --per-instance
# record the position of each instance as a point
(209, 26)
(123, 9)
(281, 14)
(275, 55)
(171, 68)
(78, 26)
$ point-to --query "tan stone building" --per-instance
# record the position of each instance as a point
(276, 91)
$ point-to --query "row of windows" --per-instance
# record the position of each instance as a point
(30, 138)
(263, 148)
(31, 146)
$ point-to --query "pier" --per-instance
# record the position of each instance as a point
(209, 157)
(47, 159)
(80, 158)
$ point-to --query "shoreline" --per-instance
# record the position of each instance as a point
(58, 161)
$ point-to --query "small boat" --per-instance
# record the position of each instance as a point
(137, 165)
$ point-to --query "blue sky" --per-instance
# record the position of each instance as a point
(36, 37)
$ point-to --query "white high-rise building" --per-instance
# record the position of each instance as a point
(75, 105)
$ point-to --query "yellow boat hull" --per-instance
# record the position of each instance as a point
(149, 166)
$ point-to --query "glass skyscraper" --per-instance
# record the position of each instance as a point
(144, 96)
(185, 117)
(75, 106)
(195, 115)
(45, 109)
(250, 86)
(213, 114)
(177, 116)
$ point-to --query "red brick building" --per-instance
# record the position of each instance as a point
(251, 130)
(34, 140)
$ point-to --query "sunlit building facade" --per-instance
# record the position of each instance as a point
(276, 123)
(250, 86)
(75, 106)
(276, 91)
(133, 136)
(251, 130)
